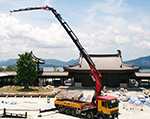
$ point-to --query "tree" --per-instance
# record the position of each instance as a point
(55, 68)
(26, 70)
(10, 68)
(1, 68)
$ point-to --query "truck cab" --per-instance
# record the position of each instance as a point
(107, 107)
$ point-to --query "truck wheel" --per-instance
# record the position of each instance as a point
(89, 115)
(73, 112)
(67, 111)
(60, 109)
(101, 117)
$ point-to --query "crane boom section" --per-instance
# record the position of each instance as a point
(95, 73)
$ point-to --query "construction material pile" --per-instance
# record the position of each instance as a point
(139, 101)
(69, 95)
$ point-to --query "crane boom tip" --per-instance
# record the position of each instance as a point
(46, 7)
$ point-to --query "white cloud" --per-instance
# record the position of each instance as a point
(102, 40)
(143, 45)
(106, 36)
(111, 7)
(47, 2)
(104, 26)
(139, 32)
(122, 39)
(108, 13)
(16, 37)
(135, 30)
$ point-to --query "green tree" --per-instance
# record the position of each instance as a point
(1, 68)
(26, 70)
(10, 68)
(55, 68)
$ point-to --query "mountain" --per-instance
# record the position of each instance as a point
(10, 62)
(48, 62)
(143, 62)
(54, 62)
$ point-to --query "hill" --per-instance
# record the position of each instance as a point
(10, 62)
(54, 62)
(48, 62)
(143, 62)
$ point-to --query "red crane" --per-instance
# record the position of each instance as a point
(94, 72)
(101, 107)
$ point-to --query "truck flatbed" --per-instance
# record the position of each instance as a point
(71, 104)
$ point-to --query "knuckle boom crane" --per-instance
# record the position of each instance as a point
(96, 110)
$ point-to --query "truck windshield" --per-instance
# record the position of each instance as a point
(112, 103)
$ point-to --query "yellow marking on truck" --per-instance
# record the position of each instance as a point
(78, 105)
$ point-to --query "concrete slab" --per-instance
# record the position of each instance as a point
(32, 106)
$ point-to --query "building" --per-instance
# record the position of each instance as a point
(114, 72)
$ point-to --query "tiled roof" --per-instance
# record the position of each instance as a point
(102, 62)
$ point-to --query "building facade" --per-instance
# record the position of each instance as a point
(111, 67)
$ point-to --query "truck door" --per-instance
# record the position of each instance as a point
(103, 106)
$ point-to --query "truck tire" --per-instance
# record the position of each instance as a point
(67, 111)
(89, 115)
(101, 117)
(73, 112)
(60, 109)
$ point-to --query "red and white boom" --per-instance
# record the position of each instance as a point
(94, 72)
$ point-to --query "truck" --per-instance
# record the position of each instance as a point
(73, 104)
(101, 106)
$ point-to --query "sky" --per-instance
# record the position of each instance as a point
(102, 27)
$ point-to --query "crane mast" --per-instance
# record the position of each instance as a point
(94, 72)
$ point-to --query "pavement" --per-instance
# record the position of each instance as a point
(32, 105)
